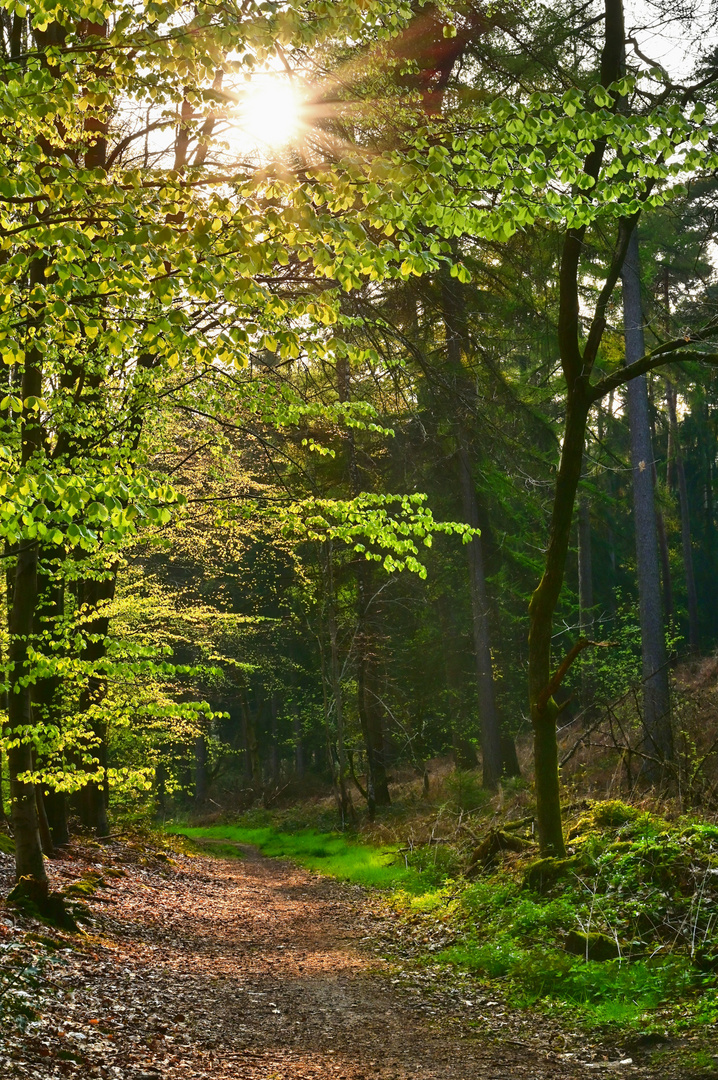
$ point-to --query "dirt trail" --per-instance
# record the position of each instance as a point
(252, 968)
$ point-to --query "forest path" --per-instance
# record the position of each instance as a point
(253, 969)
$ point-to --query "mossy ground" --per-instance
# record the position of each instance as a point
(621, 933)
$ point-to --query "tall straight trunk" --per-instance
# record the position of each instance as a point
(456, 344)
(576, 365)
(46, 692)
(368, 705)
(585, 568)
(544, 710)
(25, 820)
(253, 765)
(93, 796)
(656, 691)
(463, 750)
(200, 769)
(488, 713)
(23, 804)
(299, 754)
(585, 596)
(42, 821)
(274, 744)
(342, 770)
(665, 554)
(686, 547)
(340, 795)
(708, 454)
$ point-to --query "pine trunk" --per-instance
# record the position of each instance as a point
(658, 741)
(488, 713)
(686, 546)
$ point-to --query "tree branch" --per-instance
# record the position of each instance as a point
(668, 352)
(562, 670)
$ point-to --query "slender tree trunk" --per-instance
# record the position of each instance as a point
(367, 699)
(544, 709)
(251, 743)
(463, 750)
(346, 806)
(93, 796)
(339, 798)
(656, 691)
(26, 827)
(299, 755)
(43, 824)
(274, 745)
(456, 344)
(585, 594)
(686, 546)
(488, 713)
(45, 696)
(200, 770)
(585, 568)
(663, 548)
(576, 367)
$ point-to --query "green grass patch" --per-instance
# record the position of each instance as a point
(328, 853)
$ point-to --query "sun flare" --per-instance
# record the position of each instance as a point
(270, 114)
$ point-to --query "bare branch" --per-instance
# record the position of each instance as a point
(562, 670)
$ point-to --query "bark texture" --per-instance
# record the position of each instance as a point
(656, 691)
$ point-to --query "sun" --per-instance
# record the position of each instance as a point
(270, 113)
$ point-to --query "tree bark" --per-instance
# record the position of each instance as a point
(585, 593)
(488, 713)
(576, 366)
(656, 691)
(541, 608)
(93, 796)
(456, 344)
(463, 750)
(367, 699)
(665, 558)
(25, 822)
(200, 770)
(45, 696)
(686, 546)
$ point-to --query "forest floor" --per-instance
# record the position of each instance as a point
(194, 968)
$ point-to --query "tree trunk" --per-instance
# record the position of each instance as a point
(456, 344)
(544, 709)
(665, 558)
(93, 796)
(251, 743)
(45, 695)
(585, 596)
(274, 744)
(367, 699)
(200, 770)
(488, 713)
(656, 693)
(463, 750)
(342, 796)
(585, 568)
(686, 547)
(576, 365)
(43, 824)
(25, 822)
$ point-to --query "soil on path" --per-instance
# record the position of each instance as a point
(253, 969)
